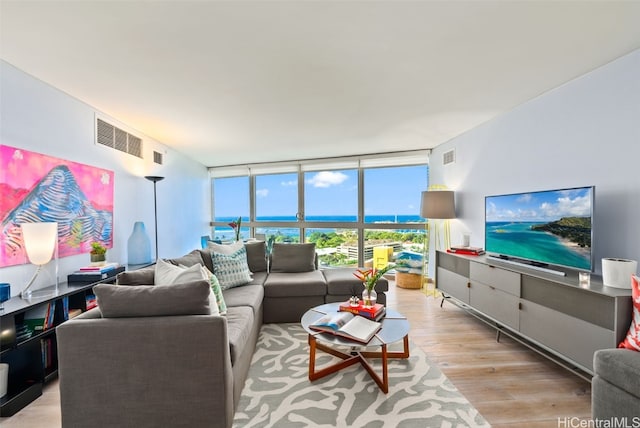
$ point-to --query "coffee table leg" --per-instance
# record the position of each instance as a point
(312, 356)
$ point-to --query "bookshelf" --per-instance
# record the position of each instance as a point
(32, 358)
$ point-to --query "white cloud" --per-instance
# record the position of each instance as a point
(262, 193)
(327, 179)
(289, 183)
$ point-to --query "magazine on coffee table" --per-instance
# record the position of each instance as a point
(347, 325)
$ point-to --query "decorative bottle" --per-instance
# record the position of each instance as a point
(139, 245)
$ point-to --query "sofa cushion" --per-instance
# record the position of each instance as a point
(256, 256)
(258, 278)
(247, 295)
(188, 260)
(295, 284)
(632, 341)
(144, 276)
(620, 367)
(293, 258)
(189, 298)
(230, 264)
(239, 323)
(169, 274)
(342, 282)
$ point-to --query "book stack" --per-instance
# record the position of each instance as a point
(40, 318)
(373, 313)
(91, 301)
(91, 274)
(468, 251)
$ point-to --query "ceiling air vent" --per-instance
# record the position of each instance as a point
(449, 157)
(157, 157)
(111, 136)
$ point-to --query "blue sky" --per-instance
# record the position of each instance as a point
(539, 206)
(387, 191)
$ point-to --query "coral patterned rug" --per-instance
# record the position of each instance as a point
(278, 392)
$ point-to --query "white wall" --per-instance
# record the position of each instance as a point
(37, 117)
(586, 132)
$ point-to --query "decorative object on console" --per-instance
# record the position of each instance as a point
(5, 294)
(155, 179)
(139, 245)
(616, 272)
(632, 340)
(369, 278)
(41, 245)
(98, 254)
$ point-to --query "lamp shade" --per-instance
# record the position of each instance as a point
(39, 241)
(438, 204)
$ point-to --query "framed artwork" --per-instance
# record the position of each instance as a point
(40, 188)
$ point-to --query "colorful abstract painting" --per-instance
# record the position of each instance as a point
(39, 188)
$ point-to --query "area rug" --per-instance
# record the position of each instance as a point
(278, 392)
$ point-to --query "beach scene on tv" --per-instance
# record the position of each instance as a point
(549, 227)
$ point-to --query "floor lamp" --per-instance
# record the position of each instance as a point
(155, 179)
(436, 205)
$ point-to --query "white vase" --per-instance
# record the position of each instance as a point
(617, 272)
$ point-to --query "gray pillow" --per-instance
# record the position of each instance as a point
(256, 256)
(144, 276)
(188, 260)
(293, 257)
(189, 298)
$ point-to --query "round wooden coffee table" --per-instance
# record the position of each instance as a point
(395, 327)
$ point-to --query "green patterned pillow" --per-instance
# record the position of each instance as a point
(217, 290)
(230, 265)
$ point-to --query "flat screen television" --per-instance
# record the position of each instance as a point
(552, 227)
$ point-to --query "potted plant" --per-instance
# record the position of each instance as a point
(98, 253)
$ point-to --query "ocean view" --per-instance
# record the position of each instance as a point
(509, 237)
(224, 232)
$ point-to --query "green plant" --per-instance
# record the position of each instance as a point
(98, 248)
(370, 277)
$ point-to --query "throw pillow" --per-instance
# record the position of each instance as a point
(632, 341)
(189, 298)
(217, 290)
(293, 258)
(169, 274)
(230, 264)
(256, 256)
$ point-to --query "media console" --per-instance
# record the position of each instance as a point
(552, 314)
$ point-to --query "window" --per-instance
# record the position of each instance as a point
(352, 208)
(230, 201)
(276, 197)
(392, 195)
(331, 196)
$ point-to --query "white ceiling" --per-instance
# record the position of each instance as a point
(229, 82)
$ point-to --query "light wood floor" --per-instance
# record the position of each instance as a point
(510, 385)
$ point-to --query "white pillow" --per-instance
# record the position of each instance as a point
(226, 249)
(168, 274)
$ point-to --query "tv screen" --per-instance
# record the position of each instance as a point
(552, 227)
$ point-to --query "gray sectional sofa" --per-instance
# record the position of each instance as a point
(615, 390)
(187, 370)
